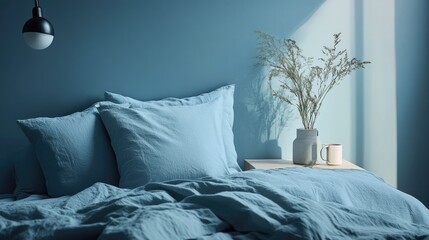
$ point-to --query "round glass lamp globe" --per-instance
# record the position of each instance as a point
(37, 40)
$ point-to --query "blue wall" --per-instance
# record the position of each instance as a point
(412, 64)
(145, 49)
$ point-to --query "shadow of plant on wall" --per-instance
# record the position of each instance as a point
(266, 114)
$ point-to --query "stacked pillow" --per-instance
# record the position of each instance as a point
(28, 175)
(144, 142)
(73, 151)
(224, 94)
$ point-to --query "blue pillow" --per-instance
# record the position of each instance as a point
(28, 175)
(160, 143)
(74, 151)
(226, 93)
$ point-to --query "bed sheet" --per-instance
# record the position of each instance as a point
(300, 203)
(7, 198)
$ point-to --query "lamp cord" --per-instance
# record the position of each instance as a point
(36, 2)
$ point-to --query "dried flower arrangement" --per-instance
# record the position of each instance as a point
(303, 83)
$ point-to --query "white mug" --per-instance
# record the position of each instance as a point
(334, 154)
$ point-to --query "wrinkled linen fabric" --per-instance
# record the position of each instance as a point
(294, 203)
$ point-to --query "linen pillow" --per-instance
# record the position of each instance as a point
(28, 175)
(226, 93)
(161, 143)
(74, 151)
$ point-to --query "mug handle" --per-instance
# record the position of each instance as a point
(321, 150)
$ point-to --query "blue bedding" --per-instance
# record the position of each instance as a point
(299, 203)
(7, 197)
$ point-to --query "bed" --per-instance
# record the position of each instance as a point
(167, 169)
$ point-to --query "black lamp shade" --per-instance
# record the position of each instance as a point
(38, 32)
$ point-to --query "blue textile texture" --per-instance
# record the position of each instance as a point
(294, 203)
(163, 142)
(28, 175)
(73, 151)
(227, 121)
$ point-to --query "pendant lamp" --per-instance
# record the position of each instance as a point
(38, 32)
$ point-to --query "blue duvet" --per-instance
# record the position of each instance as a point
(299, 203)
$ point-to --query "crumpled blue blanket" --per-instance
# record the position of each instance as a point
(294, 203)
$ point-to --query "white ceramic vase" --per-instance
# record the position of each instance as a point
(306, 146)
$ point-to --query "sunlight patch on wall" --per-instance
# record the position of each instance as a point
(370, 138)
(334, 123)
(379, 89)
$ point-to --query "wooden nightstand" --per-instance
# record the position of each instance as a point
(280, 163)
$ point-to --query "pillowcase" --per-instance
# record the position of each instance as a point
(160, 143)
(28, 175)
(74, 151)
(226, 94)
